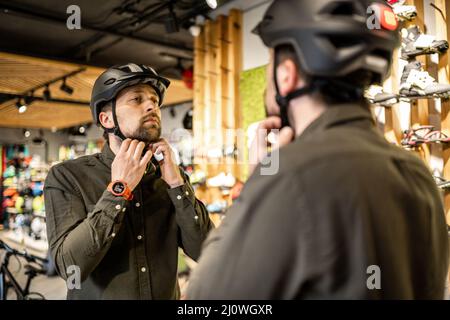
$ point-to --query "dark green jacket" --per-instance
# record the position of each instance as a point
(124, 250)
(344, 205)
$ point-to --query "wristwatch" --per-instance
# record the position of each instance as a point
(120, 189)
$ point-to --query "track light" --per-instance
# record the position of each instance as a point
(29, 98)
(171, 21)
(195, 30)
(65, 88)
(82, 129)
(47, 94)
(22, 107)
(200, 20)
(212, 3)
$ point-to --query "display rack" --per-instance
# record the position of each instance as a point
(23, 213)
(431, 19)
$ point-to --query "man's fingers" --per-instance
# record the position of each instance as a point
(139, 148)
(132, 147)
(125, 145)
(270, 123)
(286, 136)
(147, 157)
(265, 126)
(161, 149)
(163, 146)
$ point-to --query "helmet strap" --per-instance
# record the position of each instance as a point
(116, 129)
(284, 101)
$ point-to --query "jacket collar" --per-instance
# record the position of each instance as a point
(337, 115)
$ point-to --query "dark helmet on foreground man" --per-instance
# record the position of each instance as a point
(113, 80)
(332, 41)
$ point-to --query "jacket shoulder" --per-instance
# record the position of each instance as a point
(327, 148)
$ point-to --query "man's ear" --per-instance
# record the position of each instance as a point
(287, 77)
(106, 119)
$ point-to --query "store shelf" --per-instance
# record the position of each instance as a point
(26, 241)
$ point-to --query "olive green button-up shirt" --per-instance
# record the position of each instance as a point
(118, 249)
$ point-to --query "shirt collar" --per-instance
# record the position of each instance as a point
(337, 115)
(108, 156)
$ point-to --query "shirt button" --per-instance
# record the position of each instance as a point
(196, 217)
(123, 210)
(139, 237)
(113, 234)
(138, 204)
(179, 197)
(187, 193)
(143, 269)
(118, 207)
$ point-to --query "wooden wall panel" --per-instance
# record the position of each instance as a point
(217, 68)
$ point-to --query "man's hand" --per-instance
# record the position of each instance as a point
(259, 147)
(169, 169)
(129, 166)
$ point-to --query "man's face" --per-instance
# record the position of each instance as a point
(138, 113)
(272, 108)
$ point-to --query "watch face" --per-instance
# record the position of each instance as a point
(118, 187)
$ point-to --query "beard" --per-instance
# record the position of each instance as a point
(148, 132)
(148, 135)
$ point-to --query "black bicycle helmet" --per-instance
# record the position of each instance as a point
(331, 38)
(116, 78)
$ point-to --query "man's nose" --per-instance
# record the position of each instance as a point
(150, 105)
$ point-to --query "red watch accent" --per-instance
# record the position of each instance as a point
(120, 189)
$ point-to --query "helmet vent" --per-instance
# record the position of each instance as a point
(109, 81)
(340, 8)
(341, 42)
(386, 55)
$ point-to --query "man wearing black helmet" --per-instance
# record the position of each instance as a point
(115, 219)
(347, 215)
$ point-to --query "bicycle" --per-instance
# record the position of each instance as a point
(7, 280)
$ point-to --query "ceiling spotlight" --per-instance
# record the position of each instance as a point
(82, 129)
(22, 107)
(47, 94)
(200, 20)
(195, 30)
(212, 3)
(26, 133)
(65, 88)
